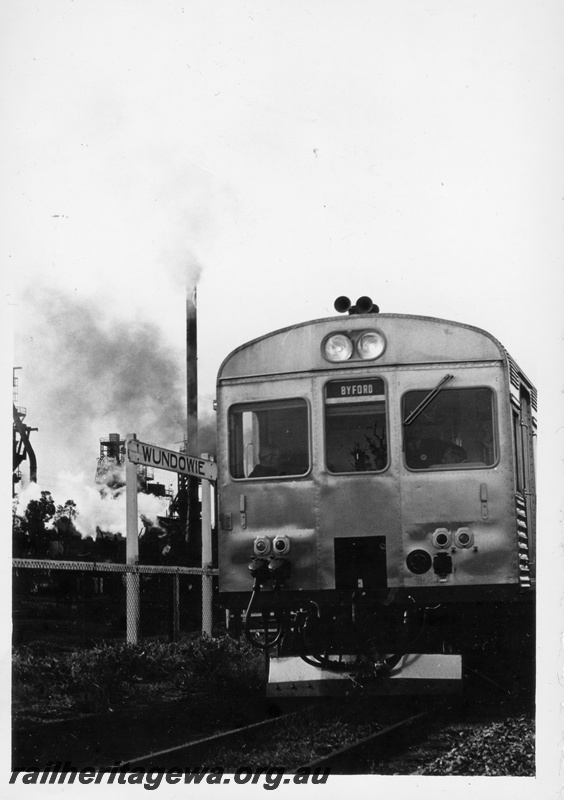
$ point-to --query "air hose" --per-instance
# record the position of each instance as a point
(267, 644)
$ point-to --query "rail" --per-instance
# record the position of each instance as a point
(204, 751)
(198, 748)
(380, 738)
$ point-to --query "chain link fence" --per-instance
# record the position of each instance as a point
(66, 604)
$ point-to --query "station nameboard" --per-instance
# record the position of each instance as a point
(373, 388)
(152, 456)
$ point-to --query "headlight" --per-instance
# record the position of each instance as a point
(261, 546)
(371, 345)
(442, 538)
(338, 347)
(281, 545)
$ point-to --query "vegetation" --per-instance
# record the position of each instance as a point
(502, 748)
(34, 529)
(48, 686)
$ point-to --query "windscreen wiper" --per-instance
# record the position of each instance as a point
(426, 400)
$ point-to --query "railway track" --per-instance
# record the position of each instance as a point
(312, 739)
(346, 736)
(350, 758)
(422, 749)
(333, 739)
(442, 738)
(197, 752)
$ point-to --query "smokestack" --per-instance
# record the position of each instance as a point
(193, 528)
(192, 371)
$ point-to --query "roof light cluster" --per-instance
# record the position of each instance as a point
(364, 345)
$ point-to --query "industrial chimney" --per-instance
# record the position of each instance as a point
(193, 526)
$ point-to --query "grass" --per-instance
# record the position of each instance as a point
(49, 686)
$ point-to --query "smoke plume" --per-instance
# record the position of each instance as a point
(89, 371)
(87, 374)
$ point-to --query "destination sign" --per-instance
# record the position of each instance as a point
(152, 456)
(357, 388)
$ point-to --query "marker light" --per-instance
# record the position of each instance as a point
(337, 347)
(464, 537)
(371, 345)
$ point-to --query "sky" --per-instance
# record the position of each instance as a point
(276, 154)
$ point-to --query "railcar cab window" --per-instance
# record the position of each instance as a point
(269, 439)
(454, 431)
(355, 426)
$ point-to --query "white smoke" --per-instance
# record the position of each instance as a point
(108, 512)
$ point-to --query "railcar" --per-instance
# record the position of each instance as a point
(376, 501)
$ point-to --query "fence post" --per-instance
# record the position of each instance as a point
(132, 545)
(207, 579)
(175, 610)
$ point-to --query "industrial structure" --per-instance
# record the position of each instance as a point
(21, 444)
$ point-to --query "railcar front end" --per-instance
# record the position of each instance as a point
(376, 500)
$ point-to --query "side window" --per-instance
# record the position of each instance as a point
(269, 439)
(454, 430)
(355, 426)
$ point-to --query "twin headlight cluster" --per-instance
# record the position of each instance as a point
(443, 538)
(267, 563)
(264, 546)
(364, 345)
(420, 561)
